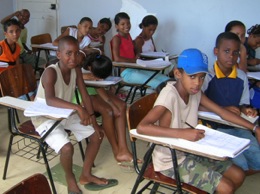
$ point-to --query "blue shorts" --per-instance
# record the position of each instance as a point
(250, 158)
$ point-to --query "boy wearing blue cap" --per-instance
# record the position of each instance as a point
(175, 110)
(227, 86)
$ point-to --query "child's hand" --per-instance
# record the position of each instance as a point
(248, 111)
(233, 109)
(193, 134)
(84, 116)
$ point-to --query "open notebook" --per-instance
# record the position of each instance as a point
(214, 143)
(40, 108)
(153, 63)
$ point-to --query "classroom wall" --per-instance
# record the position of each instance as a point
(5, 9)
(182, 23)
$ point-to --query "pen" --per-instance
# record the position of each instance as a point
(189, 125)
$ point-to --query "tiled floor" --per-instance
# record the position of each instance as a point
(106, 166)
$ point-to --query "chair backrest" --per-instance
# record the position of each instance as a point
(63, 28)
(40, 39)
(17, 80)
(35, 184)
(139, 109)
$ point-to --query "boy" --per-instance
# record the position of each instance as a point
(178, 104)
(26, 55)
(227, 86)
(57, 86)
(9, 48)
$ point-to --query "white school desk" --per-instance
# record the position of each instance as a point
(109, 81)
(253, 75)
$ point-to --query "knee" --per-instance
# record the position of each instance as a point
(96, 138)
(225, 186)
(107, 111)
(67, 149)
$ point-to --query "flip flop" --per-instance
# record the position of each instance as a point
(97, 187)
(128, 166)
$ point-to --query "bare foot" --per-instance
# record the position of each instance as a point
(92, 179)
(126, 157)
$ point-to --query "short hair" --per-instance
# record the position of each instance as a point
(11, 22)
(119, 16)
(101, 65)
(148, 20)
(233, 23)
(254, 30)
(66, 40)
(226, 36)
(85, 19)
(106, 21)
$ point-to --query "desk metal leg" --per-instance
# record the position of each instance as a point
(176, 171)
(148, 156)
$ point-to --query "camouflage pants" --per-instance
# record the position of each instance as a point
(200, 172)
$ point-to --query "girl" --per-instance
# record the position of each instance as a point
(111, 108)
(123, 51)
(80, 33)
(97, 35)
(239, 29)
(252, 43)
(144, 42)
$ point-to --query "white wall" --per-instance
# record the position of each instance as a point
(182, 23)
(6, 8)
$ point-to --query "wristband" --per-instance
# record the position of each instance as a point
(254, 129)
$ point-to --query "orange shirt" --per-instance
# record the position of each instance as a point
(6, 54)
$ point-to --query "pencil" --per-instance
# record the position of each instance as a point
(189, 125)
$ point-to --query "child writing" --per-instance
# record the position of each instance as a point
(57, 86)
(123, 51)
(97, 35)
(227, 86)
(239, 29)
(9, 48)
(176, 105)
(252, 43)
(80, 33)
(111, 108)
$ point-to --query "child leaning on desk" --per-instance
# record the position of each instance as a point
(123, 51)
(176, 105)
(57, 86)
(227, 86)
(80, 33)
(111, 108)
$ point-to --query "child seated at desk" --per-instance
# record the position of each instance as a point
(176, 105)
(9, 48)
(227, 86)
(123, 51)
(80, 33)
(111, 108)
(97, 34)
(57, 86)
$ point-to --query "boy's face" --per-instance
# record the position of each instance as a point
(68, 55)
(13, 33)
(227, 53)
(102, 28)
(191, 83)
(84, 27)
(24, 17)
(124, 26)
(254, 41)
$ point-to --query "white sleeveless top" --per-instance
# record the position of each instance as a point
(148, 46)
(85, 41)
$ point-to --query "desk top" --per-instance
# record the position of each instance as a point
(137, 66)
(253, 75)
(47, 46)
(109, 81)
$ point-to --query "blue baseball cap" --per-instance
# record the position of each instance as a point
(193, 61)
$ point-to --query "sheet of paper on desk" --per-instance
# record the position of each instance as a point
(254, 75)
(40, 108)
(214, 117)
(3, 64)
(110, 80)
(153, 63)
(157, 54)
(214, 143)
(50, 46)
